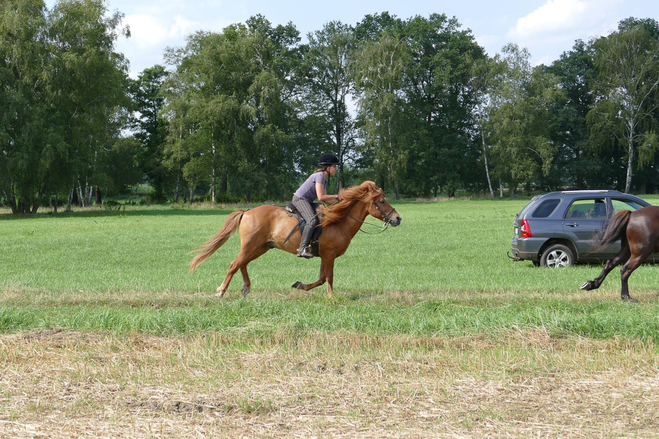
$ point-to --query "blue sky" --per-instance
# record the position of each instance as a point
(547, 28)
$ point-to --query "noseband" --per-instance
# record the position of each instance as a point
(386, 217)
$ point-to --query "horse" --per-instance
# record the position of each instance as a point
(638, 232)
(265, 227)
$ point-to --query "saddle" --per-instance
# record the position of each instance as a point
(291, 210)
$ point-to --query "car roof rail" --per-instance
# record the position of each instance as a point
(595, 191)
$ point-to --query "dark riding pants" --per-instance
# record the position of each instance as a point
(306, 210)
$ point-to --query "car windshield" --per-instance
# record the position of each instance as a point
(590, 208)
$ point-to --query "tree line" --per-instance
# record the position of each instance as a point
(243, 114)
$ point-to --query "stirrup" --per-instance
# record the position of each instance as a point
(304, 253)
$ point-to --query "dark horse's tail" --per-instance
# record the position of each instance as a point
(616, 228)
(230, 225)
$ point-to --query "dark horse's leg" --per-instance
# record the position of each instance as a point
(240, 263)
(634, 262)
(326, 275)
(622, 256)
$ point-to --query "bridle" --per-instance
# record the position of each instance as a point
(386, 218)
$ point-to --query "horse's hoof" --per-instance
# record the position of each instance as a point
(587, 285)
(220, 293)
(629, 299)
(245, 292)
(296, 285)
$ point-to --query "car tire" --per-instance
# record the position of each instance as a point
(557, 255)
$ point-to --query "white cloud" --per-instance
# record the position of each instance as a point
(558, 16)
(183, 27)
(150, 31)
(146, 31)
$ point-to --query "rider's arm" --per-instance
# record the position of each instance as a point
(322, 196)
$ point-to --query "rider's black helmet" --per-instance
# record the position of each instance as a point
(328, 159)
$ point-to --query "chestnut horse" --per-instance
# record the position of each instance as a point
(638, 232)
(266, 227)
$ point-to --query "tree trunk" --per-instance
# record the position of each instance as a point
(628, 180)
(487, 169)
(178, 183)
(70, 199)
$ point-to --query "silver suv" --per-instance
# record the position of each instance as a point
(558, 229)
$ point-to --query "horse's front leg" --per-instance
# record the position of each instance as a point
(306, 287)
(327, 266)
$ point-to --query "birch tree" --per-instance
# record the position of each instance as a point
(628, 84)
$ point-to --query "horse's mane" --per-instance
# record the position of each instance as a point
(336, 212)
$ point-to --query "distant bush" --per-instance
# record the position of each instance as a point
(112, 205)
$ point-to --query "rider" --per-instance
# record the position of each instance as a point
(312, 188)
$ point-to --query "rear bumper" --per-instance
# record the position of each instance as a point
(526, 249)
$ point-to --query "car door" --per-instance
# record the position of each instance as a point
(583, 223)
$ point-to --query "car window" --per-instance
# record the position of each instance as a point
(528, 206)
(591, 208)
(620, 204)
(545, 208)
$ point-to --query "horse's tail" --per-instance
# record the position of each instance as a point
(230, 226)
(616, 228)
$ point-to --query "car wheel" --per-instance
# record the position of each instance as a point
(556, 256)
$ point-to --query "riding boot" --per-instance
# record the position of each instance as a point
(303, 251)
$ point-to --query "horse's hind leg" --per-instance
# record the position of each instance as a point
(246, 282)
(240, 263)
(622, 256)
(626, 271)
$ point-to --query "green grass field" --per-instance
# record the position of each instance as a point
(428, 317)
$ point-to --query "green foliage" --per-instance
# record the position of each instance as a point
(246, 112)
(229, 109)
(522, 98)
(628, 88)
(326, 78)
(56, 118)
(151, 128)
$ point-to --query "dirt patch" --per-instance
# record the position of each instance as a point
(525, 383)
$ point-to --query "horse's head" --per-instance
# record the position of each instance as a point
(382, 210)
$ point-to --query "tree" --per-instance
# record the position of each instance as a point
(151, 128)
(441, 100)
(234, 91)
(117, 168)
(522, 98)
(64, 87)
(628, 85)
(24, 119)
(379, 74)
(327, 78)
(482, 84)
(576, 159)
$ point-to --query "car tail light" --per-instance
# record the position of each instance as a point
(525, 230)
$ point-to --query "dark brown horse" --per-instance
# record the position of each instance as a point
(638, 232)
(266, 227)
